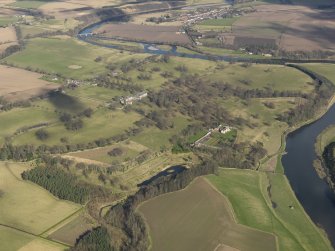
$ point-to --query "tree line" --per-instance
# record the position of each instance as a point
(324, 90)
(328, 158)
(131, 225)
(62, 184)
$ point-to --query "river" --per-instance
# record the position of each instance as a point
(313, 193)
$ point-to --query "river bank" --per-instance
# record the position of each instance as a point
(285, 162)
(313, 193)
(323, 141)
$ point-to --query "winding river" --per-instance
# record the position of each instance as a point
(313, 193)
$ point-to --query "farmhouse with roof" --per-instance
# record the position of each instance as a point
(130, 99)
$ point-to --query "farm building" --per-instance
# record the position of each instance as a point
(130, 99)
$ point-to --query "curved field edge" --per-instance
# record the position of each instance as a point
(266, 202)
(26, 206)
(15, 240)
(170, 219)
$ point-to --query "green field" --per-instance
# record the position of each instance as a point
(26, 4)
(199, 218)
(324, 138)
(19, 117)
(247, 192)
(64, 55)
(14, 240)
(27, 206)
(156, 81)
(28, 30)
(103, 123)
(130, 150)
(94, 93)
(155, 138)
(326, 70)
(267, 128)
(6, 20)
(217, 138)
(219, 22)
(280, 78)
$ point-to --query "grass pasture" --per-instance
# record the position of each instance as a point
(7, 20)
(13, 240)
(247, 192)
(217, 138)
(279, 78)
(130, 150)
(27, 206)
(326, 70)
(199, 218)
(216, 24)
(268, 129)
(154, 138)
(29, 4)
(17, 118)
(98, 94)
(219, 22)
(57, 54)
(103, 123)
(324, 138)
(194, 66)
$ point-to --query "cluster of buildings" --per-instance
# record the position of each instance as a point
(129, 100)
(198, 15)
(72, 84)
(221, 129)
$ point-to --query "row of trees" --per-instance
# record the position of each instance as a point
(5, 105)
(97, 239)
(324, 90)
(124, 218)
(329, 160)
(56, 174)
(30, 152)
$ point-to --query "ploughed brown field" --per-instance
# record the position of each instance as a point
(150, 33)
(291, 27)
(18, 84)
(199, 218)
(7, 38)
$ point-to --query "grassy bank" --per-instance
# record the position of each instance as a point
(248, 193)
